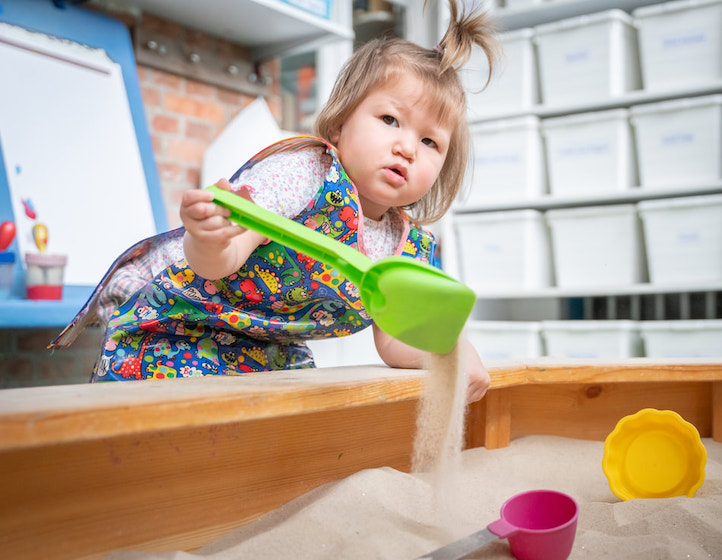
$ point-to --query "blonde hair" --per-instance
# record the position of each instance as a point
(380, 61)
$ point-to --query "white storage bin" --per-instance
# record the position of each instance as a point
(679, 142)
(589, 153)
(521, 4)
(508, 161)
(596, 246)
(587, 58)
(501, 251)
(683, 237)
(682, 339)
(505, 340)
(680, 43)
(514, 86)
(591, 339)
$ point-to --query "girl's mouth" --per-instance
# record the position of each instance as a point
(398, 170)
(395, 176)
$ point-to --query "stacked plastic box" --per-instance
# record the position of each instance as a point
(501, 251)
(605, 339)
(684, 239)
(508, 161)
(597, 246)
(592, 339)
(682, 339)
(513, 86)
(588, 57)
(680, 43)
(505, 340)
(589, 153)
(679, 142)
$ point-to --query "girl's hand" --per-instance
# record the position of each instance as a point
(214, 247)
(397, 354)
(206, 221)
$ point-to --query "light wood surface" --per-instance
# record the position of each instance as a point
(168, 465)
(42, 415)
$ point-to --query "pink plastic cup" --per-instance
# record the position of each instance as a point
(540, 525)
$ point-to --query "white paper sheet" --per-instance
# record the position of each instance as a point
(248, 133)
(70, 147)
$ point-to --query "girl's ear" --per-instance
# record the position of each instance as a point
(334, 136)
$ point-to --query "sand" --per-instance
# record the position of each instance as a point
(387, 514)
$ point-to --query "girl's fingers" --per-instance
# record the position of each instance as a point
(206, 210)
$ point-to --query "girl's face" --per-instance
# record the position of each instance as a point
(392, 146)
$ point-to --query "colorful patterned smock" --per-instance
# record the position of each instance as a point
(182, 325)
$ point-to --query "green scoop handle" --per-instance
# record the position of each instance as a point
(409, 300)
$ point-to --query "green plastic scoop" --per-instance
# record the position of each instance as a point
(409, 300)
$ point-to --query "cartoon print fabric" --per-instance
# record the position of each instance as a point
(182, 325)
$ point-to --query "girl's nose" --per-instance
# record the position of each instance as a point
(405, 146)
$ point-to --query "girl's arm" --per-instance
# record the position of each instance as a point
(397, 354)
(214, 247)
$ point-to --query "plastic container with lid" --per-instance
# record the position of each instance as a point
(701, 338)
(504, 250)
(680, 43)
(589, 153)
(683, 238)
(44, 275)
(597, 246)
(505, 340)
(513, 86)
(679, 142)
(508, 161)
(592, 339)
(589, 57)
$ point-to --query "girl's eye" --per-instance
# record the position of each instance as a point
(389, 120)
(429, 142)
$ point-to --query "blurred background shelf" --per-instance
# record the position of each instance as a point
(632, 195)
(627, 99)
(246, 21)
(596, 291)
(545, 12)
(23, 313)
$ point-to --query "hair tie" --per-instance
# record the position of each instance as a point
(439, 49)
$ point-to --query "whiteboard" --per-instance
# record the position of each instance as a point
(69, 146)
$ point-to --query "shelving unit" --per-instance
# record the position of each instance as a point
(635, 194)
(589, 301)
(247, 21)
(629, 99)
(547, 12)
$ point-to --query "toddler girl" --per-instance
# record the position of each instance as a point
(214, 298)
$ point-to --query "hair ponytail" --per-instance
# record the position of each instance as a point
(466, 30)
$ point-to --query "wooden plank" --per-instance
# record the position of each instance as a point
(548, 370)
(475, 428)
(717, 410)
(178, 489)
(43, 415)
(590, 412)
(498, 418)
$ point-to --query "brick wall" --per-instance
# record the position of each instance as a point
(184, 116)
(25, 360)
